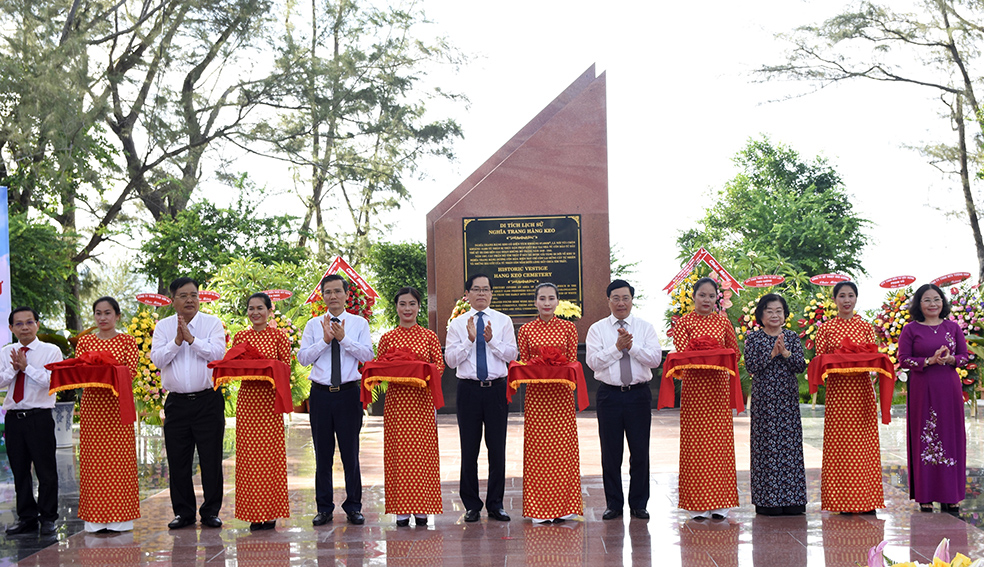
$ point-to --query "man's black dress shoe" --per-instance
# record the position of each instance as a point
(640, 513)
(421, 521)
(499, 515)
(321, 519)
(470, 516)
(257, 526)
(212, 522)
(179, 522)
(611, 514)
(403, 523)
(356, 518)
(47, 527)
(22, 527)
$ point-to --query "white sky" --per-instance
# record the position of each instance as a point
(681, 103)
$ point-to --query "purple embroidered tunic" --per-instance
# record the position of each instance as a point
(935, 413)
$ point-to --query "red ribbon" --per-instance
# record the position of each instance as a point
(549, 355)
(398, 354)
(568, 373)
(703, 343)
(724, 359)
(96, 369)
(856, 359)
(245, 360)
(399, 366)
(850, 347)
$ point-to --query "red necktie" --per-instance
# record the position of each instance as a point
(19, 383)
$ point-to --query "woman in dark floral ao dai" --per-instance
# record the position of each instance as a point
(931, 348)
(774, 356)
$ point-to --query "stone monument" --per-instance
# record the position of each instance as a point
(536, 211)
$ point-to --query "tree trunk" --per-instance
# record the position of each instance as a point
(975, 225)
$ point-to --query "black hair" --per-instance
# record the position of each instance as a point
(112, 303)
(763, 304)
(473, 277)
(21, 309)
(404, 291)
(261, 296)
(703, 281)
(333, 278)
(536, 292)
(915, 309)
(618, 284)
(180, 283)
(839, 285)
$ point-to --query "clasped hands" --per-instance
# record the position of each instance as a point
(779, 348)
(18, 359)
(184, 334)
(624, 340)
(333, 329)
(473, 330)
(942, 356)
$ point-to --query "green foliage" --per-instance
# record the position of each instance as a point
(242, 277)
(39, 265)
(398, 265)
(792, 214)
(203, 238)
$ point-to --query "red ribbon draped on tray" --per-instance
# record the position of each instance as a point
(550, 367)
(853, 358)
(703, 353)
(244, 362)
(96, 370)
(401, 366)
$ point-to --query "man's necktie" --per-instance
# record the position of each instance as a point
(481, 363)
(625, 364)
(336, 360)
(19, 381)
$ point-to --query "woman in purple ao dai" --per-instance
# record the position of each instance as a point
(931, 348)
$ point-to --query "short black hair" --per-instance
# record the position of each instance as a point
(21, 309)
(405, 291)
(180, 283)
(701, 282)
(618, 284)
(473, 277)
(262, 297)
(333, 278)
(915, 310)
(850, 284)
(112, 303)
(763, 304)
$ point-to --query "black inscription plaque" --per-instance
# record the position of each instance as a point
(519, 252)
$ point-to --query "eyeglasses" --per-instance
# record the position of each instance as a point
(929, 301)
(481, 290)
(183, 296)
(21, 324)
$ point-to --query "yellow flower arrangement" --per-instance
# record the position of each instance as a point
(148, 391)
(568, 310)
(460, 308)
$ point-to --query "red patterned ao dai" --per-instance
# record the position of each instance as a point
(261, 457)
(411, 459)
(551, 461)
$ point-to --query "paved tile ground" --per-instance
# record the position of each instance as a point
(668, 538)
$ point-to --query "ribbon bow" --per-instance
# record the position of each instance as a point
(242, 351)
(549, 355)
(850, 347)
(91, 358)
(703, 343)
(398, 354)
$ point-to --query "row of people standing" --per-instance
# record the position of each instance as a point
(621, 349)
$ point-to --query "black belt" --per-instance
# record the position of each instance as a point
(21, 414)
(627, 388)
(192, 395)
(342, 388)
(486, 383)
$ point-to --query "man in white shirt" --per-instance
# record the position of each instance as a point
(335, 343)
(622, 350)
(30, 429)
(194, 412)
(480, 345)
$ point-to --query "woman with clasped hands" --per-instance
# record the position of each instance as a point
(931, 348)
